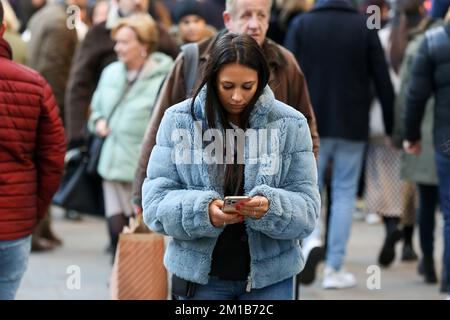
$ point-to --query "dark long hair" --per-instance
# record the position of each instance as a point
(231, 48)
(408, 15)
(244, 50)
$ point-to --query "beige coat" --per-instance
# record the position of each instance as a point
(52, 47)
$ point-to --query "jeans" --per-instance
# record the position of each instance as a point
(443, 170)
(218, 289)
(428, 200)
(13, 263)
(347, 157)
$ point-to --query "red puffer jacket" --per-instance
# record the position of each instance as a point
(32, 147)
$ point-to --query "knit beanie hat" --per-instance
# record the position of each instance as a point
(439, 8)
(188, 7)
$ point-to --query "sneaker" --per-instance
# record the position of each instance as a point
(314, 253)
(373, 218)
(337, 279)
(73, 215)
(310, 244)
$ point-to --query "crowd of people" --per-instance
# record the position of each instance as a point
(174, 90)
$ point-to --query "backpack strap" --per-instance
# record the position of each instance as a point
(191, 56)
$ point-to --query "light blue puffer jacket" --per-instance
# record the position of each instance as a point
(176, 196)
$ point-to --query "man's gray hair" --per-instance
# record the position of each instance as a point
(230, 5)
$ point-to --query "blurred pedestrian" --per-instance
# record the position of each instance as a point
(12, 35)
(50, 52)
(121, 107)
(282, 13)
(32, 150)
(386, 193)
(420, 169)
(430, 78)
(26, 9)
(439, 8)
(99, 12)
(340, 73)
(190, 23)
(92, 56)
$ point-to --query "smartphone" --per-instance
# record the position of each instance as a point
(231, 202)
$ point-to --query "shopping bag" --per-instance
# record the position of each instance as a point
(138, 270)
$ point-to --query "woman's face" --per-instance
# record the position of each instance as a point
(236, 86)
(192, 28)
(128, 48)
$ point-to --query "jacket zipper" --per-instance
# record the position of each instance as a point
(249, 283)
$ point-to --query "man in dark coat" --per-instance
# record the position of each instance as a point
(431, 76)
(341, 56)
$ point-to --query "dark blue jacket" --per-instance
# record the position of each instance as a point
(340, 57)
(430, 75)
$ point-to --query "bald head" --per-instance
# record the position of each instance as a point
(230, 5)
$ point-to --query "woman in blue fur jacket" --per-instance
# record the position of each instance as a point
(233, 138)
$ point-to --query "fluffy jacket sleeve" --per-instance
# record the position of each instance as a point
(294, 206)
(169, 207)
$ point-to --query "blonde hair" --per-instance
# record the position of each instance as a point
(230, 5)
(145, 28)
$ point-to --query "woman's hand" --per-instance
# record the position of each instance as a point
(220, 219)
(256, 208)
(137, 209)
(101, 128)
